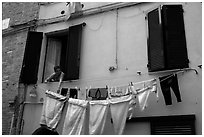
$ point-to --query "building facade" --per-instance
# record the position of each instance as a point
(102, 45)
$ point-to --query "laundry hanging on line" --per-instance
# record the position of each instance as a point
(52, 109)
(167, 82)
(118, 91)
(75, 117)
(98, 115)
(140, 91)
(119, 110)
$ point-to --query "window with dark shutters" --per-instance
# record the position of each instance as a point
(155, 45)
(72, 62)
(31, 58)
(167, 42)
(63, 49)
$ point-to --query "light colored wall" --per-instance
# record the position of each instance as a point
(99, 51)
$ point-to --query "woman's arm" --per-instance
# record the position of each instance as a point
(49, 78)
(60, 82)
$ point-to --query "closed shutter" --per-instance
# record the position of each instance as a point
(73, 53)
(155, 45)
(174, 37)
(31, 58)
(176, 125)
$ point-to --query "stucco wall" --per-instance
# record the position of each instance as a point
(99, 53)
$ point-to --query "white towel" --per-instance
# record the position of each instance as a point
(52, 109)
(119, 110)
(98, 115)
(75, 118)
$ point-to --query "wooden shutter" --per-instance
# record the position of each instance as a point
(174, 37)
(155, 45)
(73, 53)
(31, 58)
(173, 125)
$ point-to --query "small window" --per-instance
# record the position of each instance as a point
(63, 49)
(166, 41)
(173, 125)
(162, 125)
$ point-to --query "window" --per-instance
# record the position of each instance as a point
(166, 41)
(31, 58)
(63, 49)
(162, 125)
(173, 125)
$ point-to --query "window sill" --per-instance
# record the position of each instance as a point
(166, 71)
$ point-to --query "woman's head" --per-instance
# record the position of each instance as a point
(57, 69)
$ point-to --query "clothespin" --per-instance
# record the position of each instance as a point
(68, 92)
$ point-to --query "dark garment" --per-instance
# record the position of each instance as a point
(73, 93)
(44, 131)
(98, 93)
(166, 83)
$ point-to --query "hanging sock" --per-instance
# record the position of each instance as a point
(98, 115)
(166, 82)
(119, 110)
(75, 118)
(52, 109)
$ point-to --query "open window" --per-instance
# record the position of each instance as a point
(63, 49)
(166, 40)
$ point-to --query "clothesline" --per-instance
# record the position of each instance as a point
(170, 75)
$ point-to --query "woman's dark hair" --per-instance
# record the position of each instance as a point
(56, 67)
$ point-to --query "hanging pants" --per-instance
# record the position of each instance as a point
(165, 87)
(52, 109)
(75, 118)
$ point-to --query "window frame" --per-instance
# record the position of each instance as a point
(166, 67)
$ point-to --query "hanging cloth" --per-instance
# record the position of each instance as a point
(98, 115)
(98, 93)
(142, 97)
(119, 91)
(143, 93)
(170, 81)
(75, 118)
(52, 109)
(119, 109)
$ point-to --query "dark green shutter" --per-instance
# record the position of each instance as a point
(174, 37)
(155, 45)
(29, 71)
(73, 53)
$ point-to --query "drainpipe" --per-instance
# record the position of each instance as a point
(11, 128)
(21, 110)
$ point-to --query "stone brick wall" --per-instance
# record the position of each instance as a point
(13, 45)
